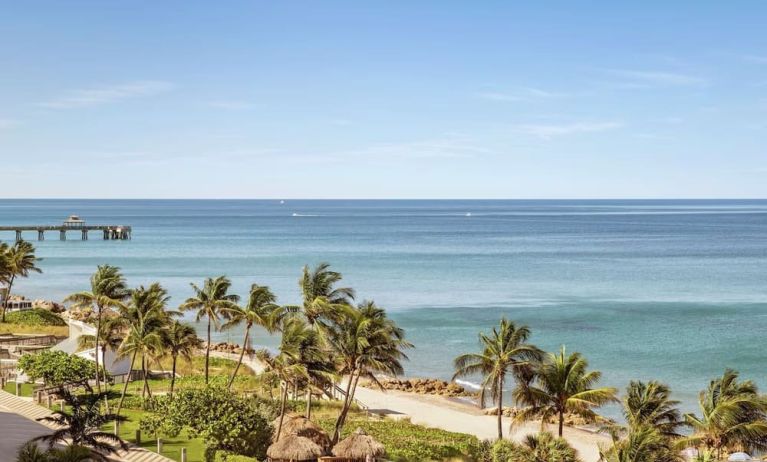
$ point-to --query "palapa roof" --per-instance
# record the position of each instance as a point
(294, 424)
(358, 445)
(294, 448)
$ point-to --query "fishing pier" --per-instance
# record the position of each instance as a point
(73, 224)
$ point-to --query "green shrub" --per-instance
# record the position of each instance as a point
(224, 456)
(57, 368)
(503, 450)
(35, 317)
(405, 441)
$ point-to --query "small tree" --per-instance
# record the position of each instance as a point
(57, 368)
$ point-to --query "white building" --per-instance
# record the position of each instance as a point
(118, 368)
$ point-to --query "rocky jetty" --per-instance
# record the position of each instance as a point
(226, 347)
(424, 386)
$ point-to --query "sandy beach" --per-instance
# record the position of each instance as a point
(440, 412)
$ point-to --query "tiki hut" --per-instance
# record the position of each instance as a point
(293, 448)
(294, 424)
(359, 447)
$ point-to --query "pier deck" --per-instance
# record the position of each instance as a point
(109, 232)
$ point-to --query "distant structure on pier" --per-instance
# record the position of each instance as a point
(74, 223)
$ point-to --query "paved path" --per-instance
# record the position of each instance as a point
(31, 411)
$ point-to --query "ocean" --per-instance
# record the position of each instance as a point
(674, 290)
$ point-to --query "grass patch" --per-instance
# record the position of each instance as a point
(171, 447)
(27, 389)
(35, 317)
(14, 328)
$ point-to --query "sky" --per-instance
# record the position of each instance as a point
(383, 99)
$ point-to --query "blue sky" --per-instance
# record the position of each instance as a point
(395, 99)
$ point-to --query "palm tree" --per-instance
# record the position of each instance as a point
(364, 341)
(146, 318)
(504, 350)
(261, 310)
(179, 339)
(210, 302)
(320, 296)
(286, 364)
(108, 290)
(17, 260)
(542, 447)
(643, 443)
(733, 415)
(650, 404)
(81, 425)
(562, 385)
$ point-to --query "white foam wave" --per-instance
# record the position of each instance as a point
(304, 215)
(467, 384)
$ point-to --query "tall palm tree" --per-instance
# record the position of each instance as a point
(261, 310)
(16, 260)
(733, 416)
(146, 318)
(179, 339)
(364, 341)
(210, 302)
(650, 404)
(108, 290)
(81, 425)
(562, 385)
(321, 297)
(286, 365)
(505, 349)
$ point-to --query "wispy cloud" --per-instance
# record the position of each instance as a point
(107, 94)
(548, 131)
(232, 105)
(646, 78)
(520, 94)
(7, 123)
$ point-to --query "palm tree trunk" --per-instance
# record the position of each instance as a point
(561, 422)
(239, 362)
(282, 411)
(308, 401)
(500, 407)
(125, 386)
(8, 295)
(207, 353)
(144, 372)
(96, 348)
(104, 355)
(350, 399)
(173, 375)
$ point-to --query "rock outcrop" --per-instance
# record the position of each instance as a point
(424, 386)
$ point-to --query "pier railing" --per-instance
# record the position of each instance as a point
(109, 232)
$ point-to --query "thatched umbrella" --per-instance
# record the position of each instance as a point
(293, 448)
(294, 424)
(359, 446)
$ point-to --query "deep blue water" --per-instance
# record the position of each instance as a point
(675, 290)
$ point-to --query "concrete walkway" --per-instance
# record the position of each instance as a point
(11, 407)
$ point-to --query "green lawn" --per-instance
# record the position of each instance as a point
(26, 388)
(195, 448)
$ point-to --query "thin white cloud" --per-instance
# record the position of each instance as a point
(107, 94)
(6, 124)
(548, 131)
(232, 105)
(520, 94)
(639, 78)
(448, 147)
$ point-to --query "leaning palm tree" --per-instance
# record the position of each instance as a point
(210, 302)
(81, 425)
(733, 416)
(179, 340)
(146, 318)
(562, 385)
(261, 310)
(108, 290)
(505, 349)
(16, 261)
(364, 342)
(321, 297)
(650, 404)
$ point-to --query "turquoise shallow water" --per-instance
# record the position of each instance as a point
(674, 290)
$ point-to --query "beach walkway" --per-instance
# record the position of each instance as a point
(20, 415)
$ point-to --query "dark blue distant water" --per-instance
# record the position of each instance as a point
(675, 290)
